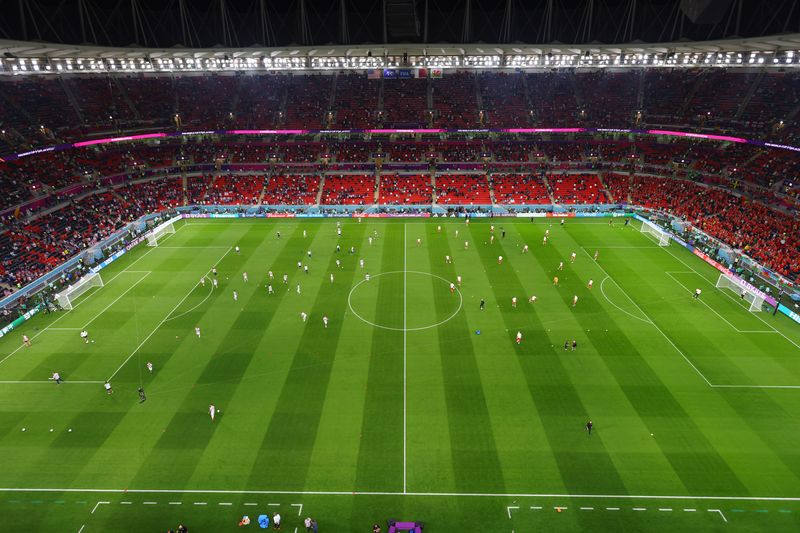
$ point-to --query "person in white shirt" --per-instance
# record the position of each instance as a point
(525, 249)
(591, 282)
(215, 283)
(499, 259)
(452, 288)
(276, 520)
(447, 259)
(244, 277)
(271, 275)
(203, 281)
(361, 263)
(197, 332)
(572, 257)
(696, 295)
(532, 299)
(26, 341)
(286, 278)
(366, 278)
(235, 296)
(212, 411)
(304, 234)
(299, 264)
(574, 300)
(466, 245)
(107, 386)
(331, 278)
(514, 302)
(237, 250)
(57, 378)
(458, 280)
(519, 337)
(149, 367)
(338, 264)
(544, 240)
(298, 288)
(303, 316)
(325, 321)
(419, 243)
(269, 289)
(85, 336)
(561, 265)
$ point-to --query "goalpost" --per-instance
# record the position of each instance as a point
(66, 297)
(753, 297)
(159, 231)
(654, 230)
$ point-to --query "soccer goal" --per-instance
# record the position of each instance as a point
(753, 297)
(67, 297)
(654, 230)
(159, 231)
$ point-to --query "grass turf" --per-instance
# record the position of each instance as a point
(399, 394)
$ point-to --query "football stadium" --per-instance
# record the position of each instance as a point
(399, 266)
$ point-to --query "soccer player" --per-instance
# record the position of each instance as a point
(452, 288)
(331, 278)
(503, 232)
(627, 221)
(271, 275)
(514, 302)
(525, 249)
(307, 523)
(197, 331)
(458, 280)
(589, 427)
(591, 282)
(278, 234)
(299, 264)
(491, 228)
(244, 277)
(696, 295)
(352, 249)
(338, 248)
(519, 337)
(562, 221)
(574, 300)
(107, 386)
(214, 270)
(555, 281)
(457, 232)
(438, 229)
(85, 336)
(532, 299)
(491, 239)
(149, 366)
(572, 257)
(237, 250)
(339, 231)
(308, 254)
(547, 233)
(276, 521)
(419, 242)
(285, 278)
(499, 259)
(26, 341)
(361, 263)
(325, 321)
(305, 268)
(566, 345)
(561, 265)
(303, 316)
(304, 234)
(338, 264)
(466, 245)
(215, 283)
(366, 277)
(483, 304)
(447, 259)
(235, 296)
(203, 281)
(57, 378)
(596, 254)
(269, 289)
(544, 240)
(369, 240)
(574, 345)
(212, 411)
(142, 397)
(298, 288)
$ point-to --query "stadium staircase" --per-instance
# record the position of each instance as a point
(491, 189)
(377, 187)
(319, 191)
(125, 96)
(184, 184)
(604, 188)
(434, 196)
(750, 92)
(549, 189)
(71, 97)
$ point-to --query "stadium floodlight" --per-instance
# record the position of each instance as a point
(748, 293)
(159, 231)
(656, 232)
(67, 297)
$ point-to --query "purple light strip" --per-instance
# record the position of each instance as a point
(698, 135)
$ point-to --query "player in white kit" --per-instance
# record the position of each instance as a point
(212, 411)
(197, 332)
(325, 321)
(303, 316)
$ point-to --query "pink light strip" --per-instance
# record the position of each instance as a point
(267, 132)
(119, 139)
(698, 135)
(438, 130)
(545, 130)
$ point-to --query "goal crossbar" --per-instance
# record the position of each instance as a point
(753, 297)
(159, 231)
(67, 297)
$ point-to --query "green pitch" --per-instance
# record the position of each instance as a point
(399, 408)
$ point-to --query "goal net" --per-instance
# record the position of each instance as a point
(67, 297)
(656, 232)
(752, 297)
(159, 231)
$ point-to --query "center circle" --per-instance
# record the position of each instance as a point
(410, 300)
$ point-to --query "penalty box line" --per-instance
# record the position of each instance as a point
(163, 320)
(408, 494)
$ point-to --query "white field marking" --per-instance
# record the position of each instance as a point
(653, 323)
(41, 382)
(64, 329)
(640, 508)
(587, 508)
(98, 315)
(405, 334)
(560, 508)
(756, 386)
(720, 513)
(653, 247)
(210, 292)
(189, 247)
(665, 509)
(729, 296)
(404, 272)
(251, 504)
(225, 503)
(510, 508)
(536, 507)
(274, 504)
(126, 503)
(690, 291)
(81, 529)
(162, 321)
(612, 508)
(349, 493)
(175, 503)
(98, 504)
(603, 292)
(149, 503)
(690, 510)
(299, 508)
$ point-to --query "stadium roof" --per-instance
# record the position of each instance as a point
(244, 23)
